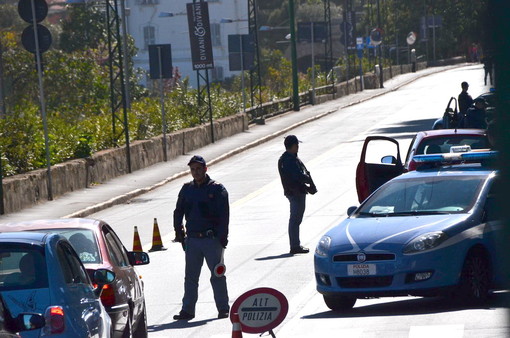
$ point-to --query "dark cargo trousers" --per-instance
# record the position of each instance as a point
(196, 250)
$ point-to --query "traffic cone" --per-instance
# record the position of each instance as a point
(237, 331)
(157, 244)
(137, 245)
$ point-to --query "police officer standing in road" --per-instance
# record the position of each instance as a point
(297, 182)
(204, 203)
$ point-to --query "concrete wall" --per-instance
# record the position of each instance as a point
(28, 189)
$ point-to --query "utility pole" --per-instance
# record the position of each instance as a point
(295, 83)
(381, 68)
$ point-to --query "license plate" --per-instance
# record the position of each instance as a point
(361, 269)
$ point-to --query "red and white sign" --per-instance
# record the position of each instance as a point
(260, 310)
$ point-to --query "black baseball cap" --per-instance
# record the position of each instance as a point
(197, 159)
(290, 140)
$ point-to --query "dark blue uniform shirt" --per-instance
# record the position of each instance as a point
(205, 207)
(293, 174)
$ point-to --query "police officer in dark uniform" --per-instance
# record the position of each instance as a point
(475, 115)
(297, 182)
(204, 203)
(465, 100)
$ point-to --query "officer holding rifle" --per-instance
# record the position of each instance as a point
(204, 204)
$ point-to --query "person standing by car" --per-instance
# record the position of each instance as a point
(475, 115)
(204, 203)
(465, 100)
(487, 67)
(296, 182)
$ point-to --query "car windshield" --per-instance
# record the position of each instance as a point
(83, 242)
(439, 145)
(424, 196)
(22, 268)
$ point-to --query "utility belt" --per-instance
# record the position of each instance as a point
(201, 234)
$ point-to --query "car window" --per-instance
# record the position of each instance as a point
(22, 268)
(439, 145)
(115, 248)
(73, 270)
(84, 243)
(425, 195)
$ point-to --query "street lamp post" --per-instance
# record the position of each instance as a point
(295, 83)
(313, 62)
(381, 68)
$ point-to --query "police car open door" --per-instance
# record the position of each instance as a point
(373, 170)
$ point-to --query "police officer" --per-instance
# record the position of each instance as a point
(296, 182)
(465, 100)
(475, 115)
(204, 203)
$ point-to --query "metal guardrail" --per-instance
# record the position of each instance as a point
(277, 107)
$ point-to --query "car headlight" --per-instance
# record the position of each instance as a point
(323, 246)
(425, 242)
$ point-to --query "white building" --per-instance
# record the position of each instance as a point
(166, 22)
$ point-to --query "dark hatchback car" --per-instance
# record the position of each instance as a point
(99, 247)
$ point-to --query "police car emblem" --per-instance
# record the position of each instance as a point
(361, 257)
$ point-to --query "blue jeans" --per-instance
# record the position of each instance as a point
(196, 250)
(297, 210)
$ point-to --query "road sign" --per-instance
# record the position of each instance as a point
(25, 10)
(28, 38)
(376, 36)
(411, 38)
(240, 45)
(260, 310)
(160, 55)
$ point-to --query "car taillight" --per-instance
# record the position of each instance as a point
(55, 321)
(108, 295)
(412, 165)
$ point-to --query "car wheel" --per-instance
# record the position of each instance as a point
(128, 330)
(141, 327)
(475, 278)
(339, 303)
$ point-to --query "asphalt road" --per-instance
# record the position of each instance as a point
(257, 255)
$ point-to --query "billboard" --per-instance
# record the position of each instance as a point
(200, 35)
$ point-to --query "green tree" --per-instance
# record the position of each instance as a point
(84, 28)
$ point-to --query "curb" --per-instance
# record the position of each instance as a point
(137, 192)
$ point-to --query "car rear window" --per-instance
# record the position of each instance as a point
(440, 145)
(84, 243)
(22, 268)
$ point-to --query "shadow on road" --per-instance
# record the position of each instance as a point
(285, 255)
(413, 306)
(409, 126)
(178, 324)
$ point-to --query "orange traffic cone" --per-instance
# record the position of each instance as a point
(137, 245)
(157, 244)
(237, 331)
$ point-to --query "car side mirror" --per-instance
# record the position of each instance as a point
(389, 159)
(101, 277)
(351, 210)
(138, 258)
(27, 321)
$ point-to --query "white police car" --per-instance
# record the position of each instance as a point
(424, 233)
